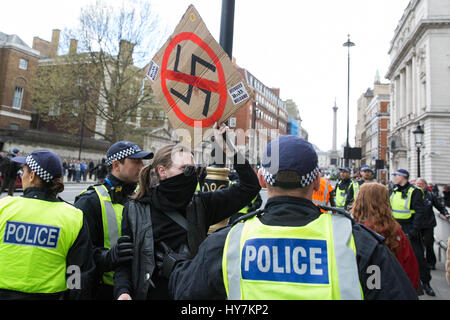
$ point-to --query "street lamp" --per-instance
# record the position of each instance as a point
(418, 137)
(348, 44)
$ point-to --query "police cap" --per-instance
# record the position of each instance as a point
(290, 153)
(44, 163)
(125, 149)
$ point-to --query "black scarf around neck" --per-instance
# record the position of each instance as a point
(174, 193)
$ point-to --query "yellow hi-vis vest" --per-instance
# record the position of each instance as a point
(35, 238)
(112, 221)
(356, 187)
(401, 208)
(316, 261)
(341, 195)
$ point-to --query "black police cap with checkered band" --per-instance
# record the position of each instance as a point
(125, 149)
(290, 153)
(44, 163)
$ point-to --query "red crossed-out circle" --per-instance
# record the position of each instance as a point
(219, 87)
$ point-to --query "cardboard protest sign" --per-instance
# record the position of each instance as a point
(195, 80)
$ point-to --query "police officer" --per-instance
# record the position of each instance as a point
(427, 228)
(323, 196)
(9, 172)
(408, 208)
(43, 240)
(102, 205)
(367, 175)
(290, 250)
(344, 189)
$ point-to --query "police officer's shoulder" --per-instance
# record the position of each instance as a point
(379, 238)
(248, 216)
(90, 191)
(65, 202)
(340, 211)
(366, 230)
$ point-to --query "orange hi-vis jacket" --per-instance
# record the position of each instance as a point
(322, 196)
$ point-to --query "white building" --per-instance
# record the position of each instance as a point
(420, 89)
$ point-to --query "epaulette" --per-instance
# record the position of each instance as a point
(62, 200)
(88, 191)
(343, 212)
(249, 216)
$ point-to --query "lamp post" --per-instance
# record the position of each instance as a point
(418, 137)
(217, 173)
(348, 44)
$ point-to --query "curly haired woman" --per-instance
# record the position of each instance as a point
(372, 208)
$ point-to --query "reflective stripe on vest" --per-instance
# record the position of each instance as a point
(401, 207)
(355, 189)
(268, 262)
(35, 238)
(112, 220)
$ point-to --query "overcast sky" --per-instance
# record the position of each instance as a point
(292, 45)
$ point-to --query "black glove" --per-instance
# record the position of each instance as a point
(121, 252)
(166, 258)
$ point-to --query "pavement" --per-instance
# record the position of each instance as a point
(438, 283)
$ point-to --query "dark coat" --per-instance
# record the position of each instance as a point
(202, 278)
(430, 200)
(140, 278)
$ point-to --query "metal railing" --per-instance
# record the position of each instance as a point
(441, 234)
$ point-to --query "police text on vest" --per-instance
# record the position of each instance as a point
(285, 260)
(31, 234)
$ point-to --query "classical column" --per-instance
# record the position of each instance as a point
(335, 108)
(409, 90)
(402, 93)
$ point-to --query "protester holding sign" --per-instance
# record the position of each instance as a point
(165, 216)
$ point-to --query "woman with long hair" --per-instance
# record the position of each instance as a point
(166, 216)
(372, 208)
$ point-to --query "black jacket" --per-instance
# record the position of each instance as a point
(80, 254)
(89, 203)
(201, 277)
(430, 201)
(9, 168)
(140, 278)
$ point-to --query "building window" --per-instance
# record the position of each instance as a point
(18, 97)
(14, 126)
(150, 115)
(55, 109)
(76, 107)
(23, 64)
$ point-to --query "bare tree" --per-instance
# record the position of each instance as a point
(106, 72)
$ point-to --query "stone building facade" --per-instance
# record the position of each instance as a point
(420, 75)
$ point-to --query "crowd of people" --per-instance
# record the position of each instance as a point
(143, 231)
(79, 171)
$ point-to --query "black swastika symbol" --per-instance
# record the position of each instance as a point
(187, 98)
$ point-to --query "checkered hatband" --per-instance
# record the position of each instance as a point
(36, 168)
(120, 155)
(305, 180)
